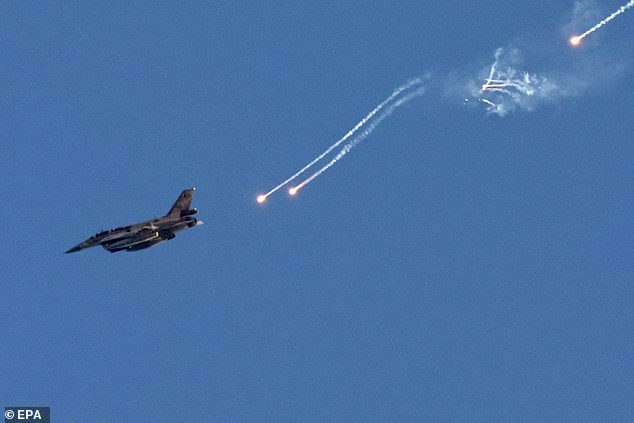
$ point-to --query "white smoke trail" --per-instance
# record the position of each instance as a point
(351, 132)
(575, 40)
(506, 88)
(502, 87)
(359, 138)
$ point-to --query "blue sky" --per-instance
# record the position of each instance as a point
(456, 266)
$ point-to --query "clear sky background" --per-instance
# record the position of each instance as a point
(456, 266)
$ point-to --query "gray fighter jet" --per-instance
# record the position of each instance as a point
(149, 233)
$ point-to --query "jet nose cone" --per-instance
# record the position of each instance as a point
(74, 249)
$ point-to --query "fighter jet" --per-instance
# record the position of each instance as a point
(149, 233)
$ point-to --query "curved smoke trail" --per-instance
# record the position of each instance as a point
(359, 138)
(361, 123)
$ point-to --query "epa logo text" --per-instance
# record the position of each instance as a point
(27, 414)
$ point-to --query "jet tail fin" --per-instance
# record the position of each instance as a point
(183, 202)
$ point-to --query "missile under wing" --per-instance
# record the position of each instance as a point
(148, 233)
